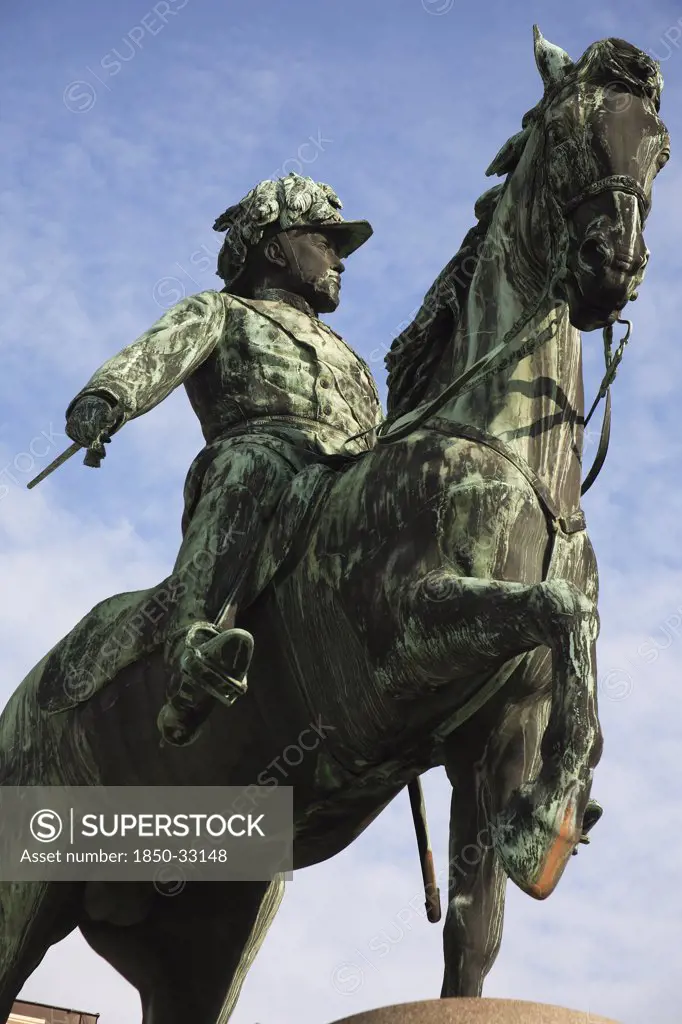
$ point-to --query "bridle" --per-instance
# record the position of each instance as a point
(612, 183)
(496, 360)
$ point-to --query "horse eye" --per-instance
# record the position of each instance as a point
(663, 158)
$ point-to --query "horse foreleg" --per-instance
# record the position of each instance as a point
(473, 924)
(453, 628)
(486, 760)
(540, 827)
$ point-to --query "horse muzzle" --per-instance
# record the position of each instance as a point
(606, 258)
(601, 279)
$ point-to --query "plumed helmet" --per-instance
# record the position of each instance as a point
(277, 205)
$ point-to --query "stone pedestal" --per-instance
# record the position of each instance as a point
(474, 1011)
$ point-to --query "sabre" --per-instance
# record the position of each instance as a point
(93, 457)
(431, 890)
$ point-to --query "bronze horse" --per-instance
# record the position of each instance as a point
(441, 590)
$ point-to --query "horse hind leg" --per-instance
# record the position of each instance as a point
(189, 953)
(455, 627)
(33, 916)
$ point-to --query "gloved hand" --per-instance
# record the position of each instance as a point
(92, 418)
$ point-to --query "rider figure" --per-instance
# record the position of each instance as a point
(274, 389)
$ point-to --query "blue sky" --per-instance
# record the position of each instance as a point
(125, 132)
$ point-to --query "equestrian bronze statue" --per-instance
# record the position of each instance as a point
(419, 590)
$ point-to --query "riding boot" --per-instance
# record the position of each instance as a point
(206, 657)
(212, 665)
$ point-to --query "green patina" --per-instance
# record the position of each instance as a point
(428, 592)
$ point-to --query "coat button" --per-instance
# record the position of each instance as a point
(324, 382)
(327, 410)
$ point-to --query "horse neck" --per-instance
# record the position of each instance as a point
(536, 404)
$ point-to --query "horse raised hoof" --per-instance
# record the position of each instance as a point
(213, 664)
(593, 813)
(535, 838)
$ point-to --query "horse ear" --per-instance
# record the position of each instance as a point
(552, 61)
(510, 154)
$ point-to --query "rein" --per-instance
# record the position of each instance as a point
(612, 363)
(489, 364)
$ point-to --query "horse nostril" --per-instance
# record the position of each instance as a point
(595, 252)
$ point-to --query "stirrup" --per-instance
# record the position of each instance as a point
(206, 668)
(202, 680)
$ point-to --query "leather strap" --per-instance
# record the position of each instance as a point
(572, 523)
(614, 183)
(602, 449)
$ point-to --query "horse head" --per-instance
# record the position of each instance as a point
(565, 228)
(591, 149)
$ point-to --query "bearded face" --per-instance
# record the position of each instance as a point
(308, 264)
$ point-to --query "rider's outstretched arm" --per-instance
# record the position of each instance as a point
(145, 372)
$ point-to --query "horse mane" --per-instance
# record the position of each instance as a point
(414, 354)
